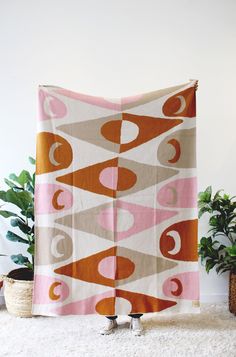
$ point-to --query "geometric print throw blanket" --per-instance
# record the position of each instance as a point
(116, 203)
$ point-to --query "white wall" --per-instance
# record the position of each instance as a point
(119, 48)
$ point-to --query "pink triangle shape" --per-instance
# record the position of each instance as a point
(143, 218)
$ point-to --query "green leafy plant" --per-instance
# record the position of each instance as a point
(222, 220)
(21, 195)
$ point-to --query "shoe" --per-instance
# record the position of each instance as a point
(136, 326)
(109, 328)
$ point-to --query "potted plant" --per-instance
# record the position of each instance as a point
(222, 221)
(18, 284)
(1, 281)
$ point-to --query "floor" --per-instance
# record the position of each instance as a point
(210, 333)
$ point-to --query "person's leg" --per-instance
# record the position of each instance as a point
(135, 324)
(137, 316)
(112, 317)
(110, 326)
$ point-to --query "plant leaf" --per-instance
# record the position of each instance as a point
(3, 196)
(203, 210)
(231, 250)
(24, 177)
(29, 187)
(7, 214)
(32, 160)
(10, 183)
(20, 259)
(13, 177)
(15, 238)
(217, 194)
(22, 199)
(17, 222)
(209, 264)
(31, 248)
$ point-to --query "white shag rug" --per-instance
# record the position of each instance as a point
(210, 333)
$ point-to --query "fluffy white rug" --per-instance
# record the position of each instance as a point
(210, 333)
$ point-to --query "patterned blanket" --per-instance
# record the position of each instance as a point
(116, 203)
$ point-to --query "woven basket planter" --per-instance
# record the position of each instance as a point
(232, 292)
(18, 291)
